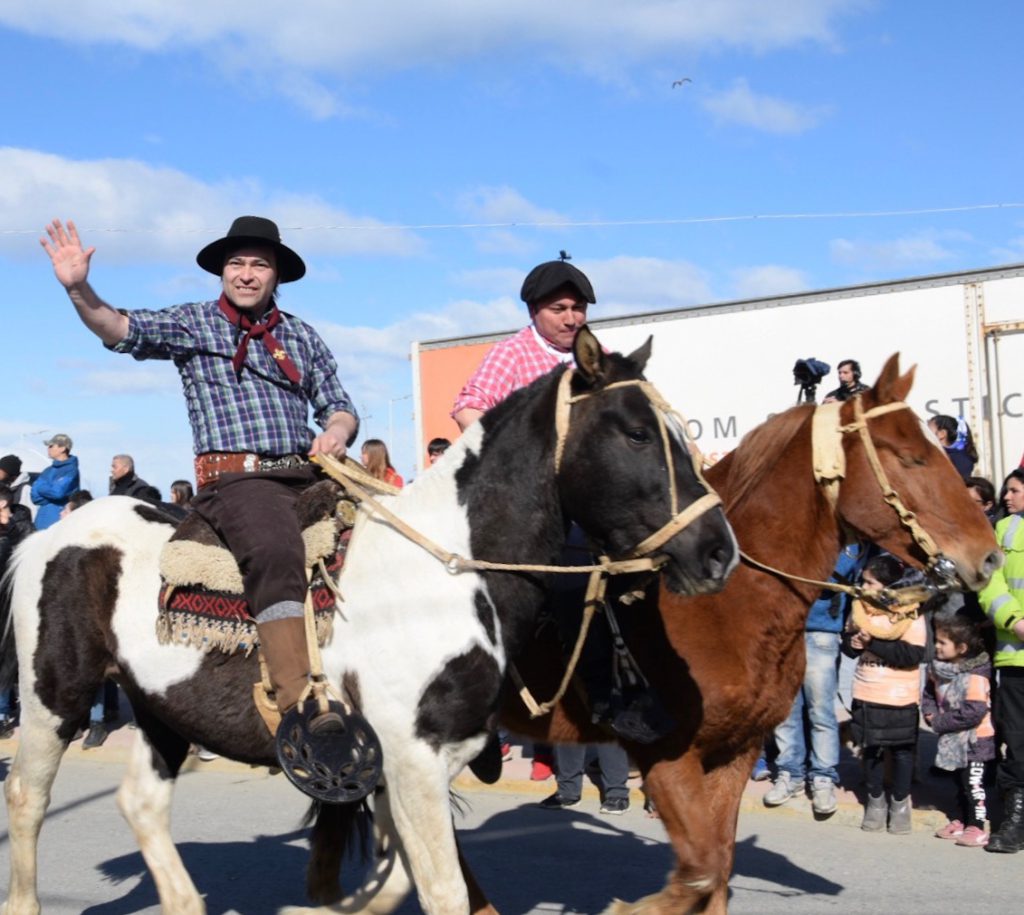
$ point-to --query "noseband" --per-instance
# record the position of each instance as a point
(830, 469)
(662, 409)
(829, 461)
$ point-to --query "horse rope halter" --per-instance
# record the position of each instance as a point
(829, 460)
(358, 483)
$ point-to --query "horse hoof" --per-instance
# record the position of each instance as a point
(334, 758)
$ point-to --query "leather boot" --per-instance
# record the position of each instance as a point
(874, 814)
(1009, 838)
(284, 647)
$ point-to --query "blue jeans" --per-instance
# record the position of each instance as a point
(6, 702)
(105, 704)
(816, 697)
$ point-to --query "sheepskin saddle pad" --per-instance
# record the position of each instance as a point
(202, 604)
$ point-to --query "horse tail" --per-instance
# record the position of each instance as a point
(337, 830)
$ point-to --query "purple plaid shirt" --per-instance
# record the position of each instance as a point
(261, 411)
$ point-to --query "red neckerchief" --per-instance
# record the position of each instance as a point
(258, 331)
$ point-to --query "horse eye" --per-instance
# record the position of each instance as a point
(909, 458)
(638, 436)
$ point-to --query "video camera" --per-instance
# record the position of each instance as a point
(808, 374)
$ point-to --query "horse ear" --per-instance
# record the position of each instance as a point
(590, 358)
(891, 385)
(640, 355)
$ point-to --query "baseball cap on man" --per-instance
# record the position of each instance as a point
(64, 441)
(546, 278)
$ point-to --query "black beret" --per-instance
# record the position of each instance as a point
(551, 276)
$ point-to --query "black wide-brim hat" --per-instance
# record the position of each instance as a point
(549, 277)
(252, 230)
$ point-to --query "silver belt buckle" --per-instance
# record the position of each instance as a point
(250, 464)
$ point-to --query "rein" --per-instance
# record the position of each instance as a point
(358, 483)
(829, 461)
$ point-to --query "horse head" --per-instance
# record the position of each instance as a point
(902, 492)
(626, 474)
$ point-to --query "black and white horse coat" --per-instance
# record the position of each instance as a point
(423, 651)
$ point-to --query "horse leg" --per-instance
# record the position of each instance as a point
(418, 783)
(699, 815)
(726, 783)
(145, 802)
(387, 883)
(27, 791)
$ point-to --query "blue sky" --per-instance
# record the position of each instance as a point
(423, 156)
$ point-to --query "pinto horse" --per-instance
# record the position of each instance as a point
(421, 647)
(728, 665)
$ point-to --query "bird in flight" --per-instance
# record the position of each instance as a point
(679, 82)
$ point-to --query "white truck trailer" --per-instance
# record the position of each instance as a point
(728, 366)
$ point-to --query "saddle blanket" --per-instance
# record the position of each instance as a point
(201, 604)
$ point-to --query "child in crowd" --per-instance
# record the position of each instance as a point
(889, 647)
(957, 705)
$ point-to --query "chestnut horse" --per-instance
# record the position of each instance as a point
(728, 665)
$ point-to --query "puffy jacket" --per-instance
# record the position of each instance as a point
(52, 489)
(1002, 598)
(828, 613)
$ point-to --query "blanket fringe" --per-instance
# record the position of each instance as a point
(175, 627)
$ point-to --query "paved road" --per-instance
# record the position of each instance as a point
(239, 836)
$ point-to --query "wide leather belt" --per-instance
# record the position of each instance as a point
(211, 465)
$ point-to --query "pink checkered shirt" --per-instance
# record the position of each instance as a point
(510, 365)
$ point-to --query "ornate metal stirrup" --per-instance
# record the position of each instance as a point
(341, 765)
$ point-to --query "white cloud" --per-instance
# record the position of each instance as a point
(624, 285)
(323, 38)
(492, 281)
(636, 284)
(768, 280)
(133, 210)
(741, 105)
(898, 253)
(504, 205)
(132, 379)
(1011, 252)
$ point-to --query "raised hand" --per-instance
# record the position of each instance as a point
(70, 260)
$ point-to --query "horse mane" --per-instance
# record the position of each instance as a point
(759, 451)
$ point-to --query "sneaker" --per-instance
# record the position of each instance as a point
(540, 771)
(952, 830)
(506, 751)
(761, 771)
(973, 838)
(96, 736)
(823, 796)
(615, 806)
(206, 755)
(782, 790)
(557, 802)
(6, 728)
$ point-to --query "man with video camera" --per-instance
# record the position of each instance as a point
(849, 382)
